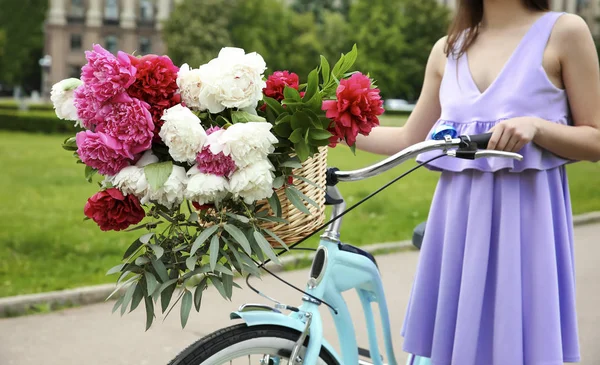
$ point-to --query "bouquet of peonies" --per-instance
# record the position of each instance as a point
(199, 159)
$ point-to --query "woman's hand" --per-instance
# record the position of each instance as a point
(513, 134)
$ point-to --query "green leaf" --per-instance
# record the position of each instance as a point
(296, 136)
(325, 122)
(149, 312)
(166, 295)
(238, 217)
(89, 173)
(186, 307)
(300, 120)
(128, 296)
(283, 130)
(132, 249)
(295, 199)
(166, 284)
(70, 144)
(198, 293)
(276, 237)
(325, 70)
(158, 251)
(203, 237)
(239, 237)
(353, 149)
(274, 219)
(214, 251)
(293, 163)
(228, 284)
(138, 295)
(291, 93)
(161, 270)
(275, 204)
(302, 150)
(274, 105)
(312, 86)
(238, 116)
(142, 260)
(190, 262)
(158, 173)
(302, 178)
(278, 181)
(304, 197)
(315, 104)
(319, 134)
(255, 247)
(151, 282)
(350, 59)
(248, 264)
(146, 238)
(117, 304)
(115, 269)
(222, 269)
(219, 286)
(265, 246)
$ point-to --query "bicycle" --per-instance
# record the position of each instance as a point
(271, 337)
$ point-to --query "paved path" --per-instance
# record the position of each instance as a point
(91, 335)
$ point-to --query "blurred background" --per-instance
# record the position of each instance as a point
(45, 244)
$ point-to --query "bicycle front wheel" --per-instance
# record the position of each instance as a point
(243, 345)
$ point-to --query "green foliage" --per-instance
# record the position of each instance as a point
(194, 33)
(320, 7)
(2, 42)
(23, 24)
(34, 121)
(395, 38)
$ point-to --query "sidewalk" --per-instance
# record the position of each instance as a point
(91, 335)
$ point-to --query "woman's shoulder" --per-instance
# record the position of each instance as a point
(569, 28)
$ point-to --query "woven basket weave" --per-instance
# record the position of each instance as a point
(299, 224)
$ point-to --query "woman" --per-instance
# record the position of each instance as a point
(495, 283)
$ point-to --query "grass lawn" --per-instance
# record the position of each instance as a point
(45, 244)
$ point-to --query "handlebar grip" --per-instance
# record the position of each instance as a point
(480, 140)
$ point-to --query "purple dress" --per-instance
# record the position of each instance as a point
(495, 283)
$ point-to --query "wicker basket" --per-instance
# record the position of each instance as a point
(299, 224)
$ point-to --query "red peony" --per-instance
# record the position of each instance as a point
(203, 206)
(355, 110)
(155, 80)
(157, 110)
(277, 82)
(111, 210)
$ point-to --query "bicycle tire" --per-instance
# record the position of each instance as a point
(217, 344)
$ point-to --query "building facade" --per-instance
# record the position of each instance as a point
(73, 26)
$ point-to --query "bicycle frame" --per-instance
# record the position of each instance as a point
(341, 272)
(335, 271)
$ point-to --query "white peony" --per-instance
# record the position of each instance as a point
(182, 133)
(132, 179)
(190, 85)
(62, 96)
(232, 80)
(205, 188)
(171, 193)
(246, 143)
(254, 182)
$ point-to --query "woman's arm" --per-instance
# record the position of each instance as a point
(390, 140)
(581, 76)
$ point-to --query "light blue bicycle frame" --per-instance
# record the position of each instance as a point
(338, 271)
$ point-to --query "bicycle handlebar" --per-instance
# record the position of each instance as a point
(468, 146)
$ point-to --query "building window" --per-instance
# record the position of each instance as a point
(74, 71)
(145, 45)
(111, 44)
(77, 9)
(146, 11)
(111, 10)
(75, 42)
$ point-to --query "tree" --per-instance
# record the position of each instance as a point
(334, 35)
(320, 7)
(194, 33)
(2, 41)
(395, 38)
(22, 21)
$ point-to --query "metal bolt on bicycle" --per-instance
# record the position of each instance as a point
(288, 335)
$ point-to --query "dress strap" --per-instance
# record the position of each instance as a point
(541, 35)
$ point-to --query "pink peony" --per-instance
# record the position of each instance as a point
(128, 120)
(155, 79)
(87, 107)
(101, 152)
(277, 82)
(355, 110)
(219, 164)
(107, 75)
